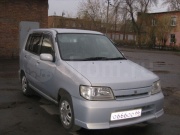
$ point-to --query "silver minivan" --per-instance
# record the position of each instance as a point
(95, 86)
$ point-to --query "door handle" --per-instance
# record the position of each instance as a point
(38, 62)
(25, 56)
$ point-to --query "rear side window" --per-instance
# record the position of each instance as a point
(34, 43)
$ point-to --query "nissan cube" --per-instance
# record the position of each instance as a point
(90, 80)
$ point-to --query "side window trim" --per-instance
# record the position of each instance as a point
(28, 42)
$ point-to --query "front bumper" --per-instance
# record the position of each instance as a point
(96, 114)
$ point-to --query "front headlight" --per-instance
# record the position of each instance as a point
(96, 93)
(156, 87)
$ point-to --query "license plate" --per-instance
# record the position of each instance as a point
(126, 114)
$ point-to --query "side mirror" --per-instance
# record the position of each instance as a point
(46, 57)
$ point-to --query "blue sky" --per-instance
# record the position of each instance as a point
(71, 7)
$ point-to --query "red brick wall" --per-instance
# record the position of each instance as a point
(12, 12)
(175, 29)
(171, 14)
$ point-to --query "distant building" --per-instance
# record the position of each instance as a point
(76, 23)
(12, 13)
(165, 25)
(73, 23)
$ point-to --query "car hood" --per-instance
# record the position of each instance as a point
(123, 74)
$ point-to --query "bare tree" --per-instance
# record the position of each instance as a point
(141, 6)
(117, 13)
(163, 30)
(93, 10)
(158, 32)
(120, 10)
(129, 11)
(173, 5)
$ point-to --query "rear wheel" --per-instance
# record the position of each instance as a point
(67, 113)
(25, 86)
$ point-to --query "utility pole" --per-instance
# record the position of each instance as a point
(107, 20)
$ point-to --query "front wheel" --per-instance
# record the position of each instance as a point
(27, 91)
(67, 113)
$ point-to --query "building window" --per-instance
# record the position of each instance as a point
(173, 38)
(153, 22)
(173, 21)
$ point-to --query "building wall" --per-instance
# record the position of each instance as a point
(170, 14)
(12, 12)
(159, 17)
(174, 29)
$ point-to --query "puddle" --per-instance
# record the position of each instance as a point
(160, 63)
(161, 72)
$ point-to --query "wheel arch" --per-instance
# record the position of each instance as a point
(21, 74)
(61, 93)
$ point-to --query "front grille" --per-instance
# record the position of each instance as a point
(132, 93)
(132, 96)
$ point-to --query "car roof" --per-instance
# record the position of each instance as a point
(60, 30)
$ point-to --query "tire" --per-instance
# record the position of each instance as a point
(66, 113)
(27, 91)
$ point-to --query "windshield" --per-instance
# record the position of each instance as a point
(87, 47)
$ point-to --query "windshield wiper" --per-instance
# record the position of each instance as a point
(96, 58)
(117, 58)
(102, 58)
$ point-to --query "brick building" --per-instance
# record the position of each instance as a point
(12, 12)
(165, 25)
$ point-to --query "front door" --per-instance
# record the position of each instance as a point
(47, 69)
